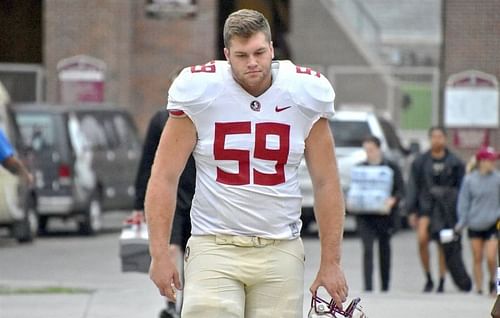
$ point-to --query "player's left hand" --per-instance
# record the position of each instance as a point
(332, 278)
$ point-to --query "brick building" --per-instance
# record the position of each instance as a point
(141, 52)
(471, 42)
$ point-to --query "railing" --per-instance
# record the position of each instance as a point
(356, 14)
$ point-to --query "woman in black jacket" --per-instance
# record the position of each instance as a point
(378, 226)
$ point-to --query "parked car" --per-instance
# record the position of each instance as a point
(85, 160)
(17, 199)
(349, 129)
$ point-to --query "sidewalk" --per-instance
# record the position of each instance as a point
(71, 262)
(144, 302)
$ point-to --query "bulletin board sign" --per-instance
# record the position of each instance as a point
(471, 107)
(471, 100)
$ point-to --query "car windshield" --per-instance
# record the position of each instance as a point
(349, 133)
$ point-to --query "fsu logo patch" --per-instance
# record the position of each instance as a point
(255, 106)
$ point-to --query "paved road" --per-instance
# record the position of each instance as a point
(92, 264)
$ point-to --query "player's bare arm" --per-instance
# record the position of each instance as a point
(329, 209)
(176, 144)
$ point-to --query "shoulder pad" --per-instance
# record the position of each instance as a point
(197, 84)
(312, 90)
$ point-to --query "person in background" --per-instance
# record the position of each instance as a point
(436, 168)
(379, 227)
(10, 162)
(181, 227)
(479, 211)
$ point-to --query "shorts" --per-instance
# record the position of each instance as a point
(422, 213)
(243, 277)
(488, 234)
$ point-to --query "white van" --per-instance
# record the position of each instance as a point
(349, 128)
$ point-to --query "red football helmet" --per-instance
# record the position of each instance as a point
(322, 309)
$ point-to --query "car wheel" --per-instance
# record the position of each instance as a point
(92, 218)
(26, 229)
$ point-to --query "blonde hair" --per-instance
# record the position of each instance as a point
(471, 165)
(245, 23)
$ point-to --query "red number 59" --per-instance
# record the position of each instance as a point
(262, 130)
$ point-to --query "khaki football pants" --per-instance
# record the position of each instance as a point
(243, 277)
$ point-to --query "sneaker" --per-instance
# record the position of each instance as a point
(428, 286)
(169, 313)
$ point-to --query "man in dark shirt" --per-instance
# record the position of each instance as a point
(181, 227)
(436, 169)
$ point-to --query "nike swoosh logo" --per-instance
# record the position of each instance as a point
(280, 109)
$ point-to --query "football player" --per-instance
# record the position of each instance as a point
(249, 122)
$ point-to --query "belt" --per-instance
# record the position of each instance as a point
(244, 241)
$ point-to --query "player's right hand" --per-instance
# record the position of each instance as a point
(164, 275)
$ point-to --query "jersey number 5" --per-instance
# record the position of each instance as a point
(262, 130)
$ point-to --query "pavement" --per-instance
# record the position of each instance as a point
(105, 292)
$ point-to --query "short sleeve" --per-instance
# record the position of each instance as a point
(6, 149)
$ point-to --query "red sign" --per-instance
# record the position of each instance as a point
(81, 80)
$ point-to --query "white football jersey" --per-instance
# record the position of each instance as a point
(249, 148)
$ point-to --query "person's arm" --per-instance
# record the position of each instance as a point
(176, 144)
(398, 187)
(463, 206)
(11, 162)
(15, 166)
(412, 194)
(181, 226)
(460, 172)
(328, 208)
(151, 141)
